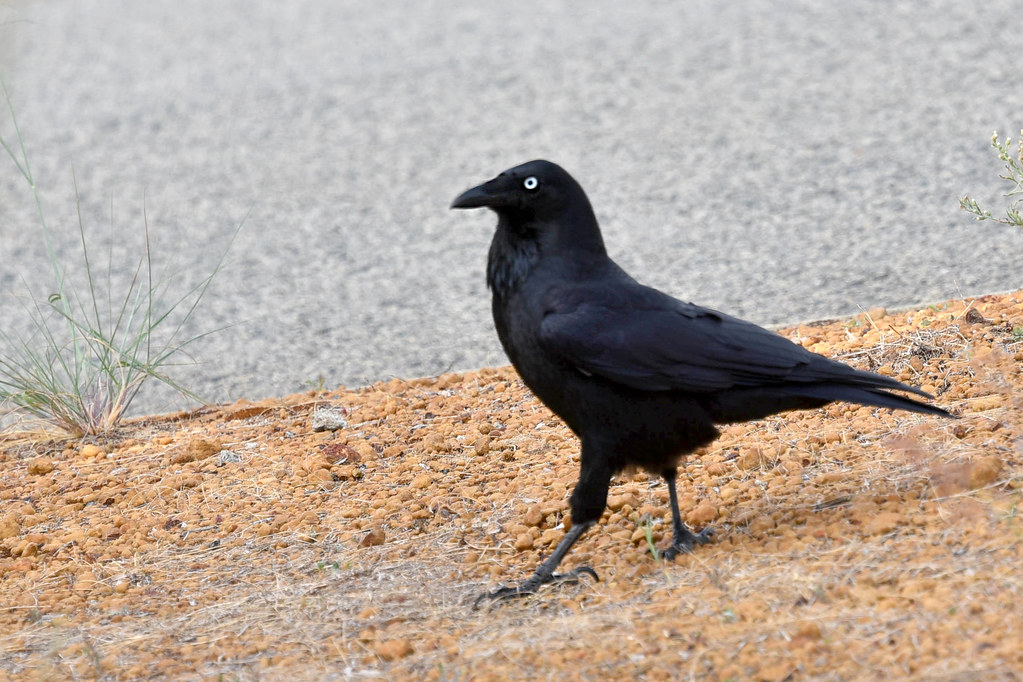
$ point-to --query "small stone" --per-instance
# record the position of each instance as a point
(394, 649)
(551, 537)
(9, 528)
(533, 517)
(715, 469)
(198, 448)
(228, 457)
(809, 630)
(182, 457)
(329, 419)
(885, 522)
(321, 476)
(373, 538)
(364, 450)
(91, 451)
(421, 481)
(618, 502)
(523, 542)
(984, 471)
(776, 672)
(40, 466)
(876, 314)
(761, 524)
(974, 316)
(85, 581)
(202, 448)
(704, 513)
(749, 459)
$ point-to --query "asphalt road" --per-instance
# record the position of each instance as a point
(780, 161)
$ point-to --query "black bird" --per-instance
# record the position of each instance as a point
(639, 376)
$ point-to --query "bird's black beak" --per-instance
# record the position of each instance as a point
(496, 194)
(476, 197)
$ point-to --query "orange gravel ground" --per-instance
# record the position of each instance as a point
(236, 543)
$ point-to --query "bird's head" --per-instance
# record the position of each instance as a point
(542, 212)
(536, 190)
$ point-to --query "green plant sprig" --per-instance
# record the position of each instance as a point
(1014, 175)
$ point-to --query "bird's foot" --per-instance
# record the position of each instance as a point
(685, 541)
(532, 585)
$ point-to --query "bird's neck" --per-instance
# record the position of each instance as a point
(513, 255)
(518, 246)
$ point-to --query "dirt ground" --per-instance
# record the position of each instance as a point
(238, 543)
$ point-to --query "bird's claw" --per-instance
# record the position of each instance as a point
(686, 542)
(533, 584)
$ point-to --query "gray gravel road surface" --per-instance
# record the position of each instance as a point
(780, 161)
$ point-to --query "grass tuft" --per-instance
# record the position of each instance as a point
(89, 351)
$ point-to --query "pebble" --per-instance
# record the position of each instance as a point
(523, 542)
(228, 457)
(394, 649)
(373, 538)
(40, 466)
(329, 419)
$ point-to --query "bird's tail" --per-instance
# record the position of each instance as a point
(864, 395)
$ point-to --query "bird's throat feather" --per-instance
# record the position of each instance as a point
(512, 258)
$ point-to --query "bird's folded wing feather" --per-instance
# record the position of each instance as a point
(676, 346)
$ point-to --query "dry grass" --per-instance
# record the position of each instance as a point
(236, 543)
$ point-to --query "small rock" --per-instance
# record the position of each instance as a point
(809, 630)
(984, 471)
(394, 649)
(421, 481)
(885, 522)
(776, 672)
(198, 448)
(329, 419)
(704, 513)
(551, 537)
(40, 466)
(341, 453)
(227, 456)
(9, 528)
(373, 538)
(91, 451)
(974, 316)
(523, 542)
(533, 517)
(85, 581)
(618, 502)
(761, 523)
(750, 459)
(321, 476)
(364, 450)
(877, 314)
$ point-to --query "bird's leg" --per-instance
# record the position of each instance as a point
(684, 539)
(587, 503)
(545, 572)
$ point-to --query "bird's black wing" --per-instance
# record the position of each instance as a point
(644, 339)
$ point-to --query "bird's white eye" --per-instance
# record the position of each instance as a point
(531, 183)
